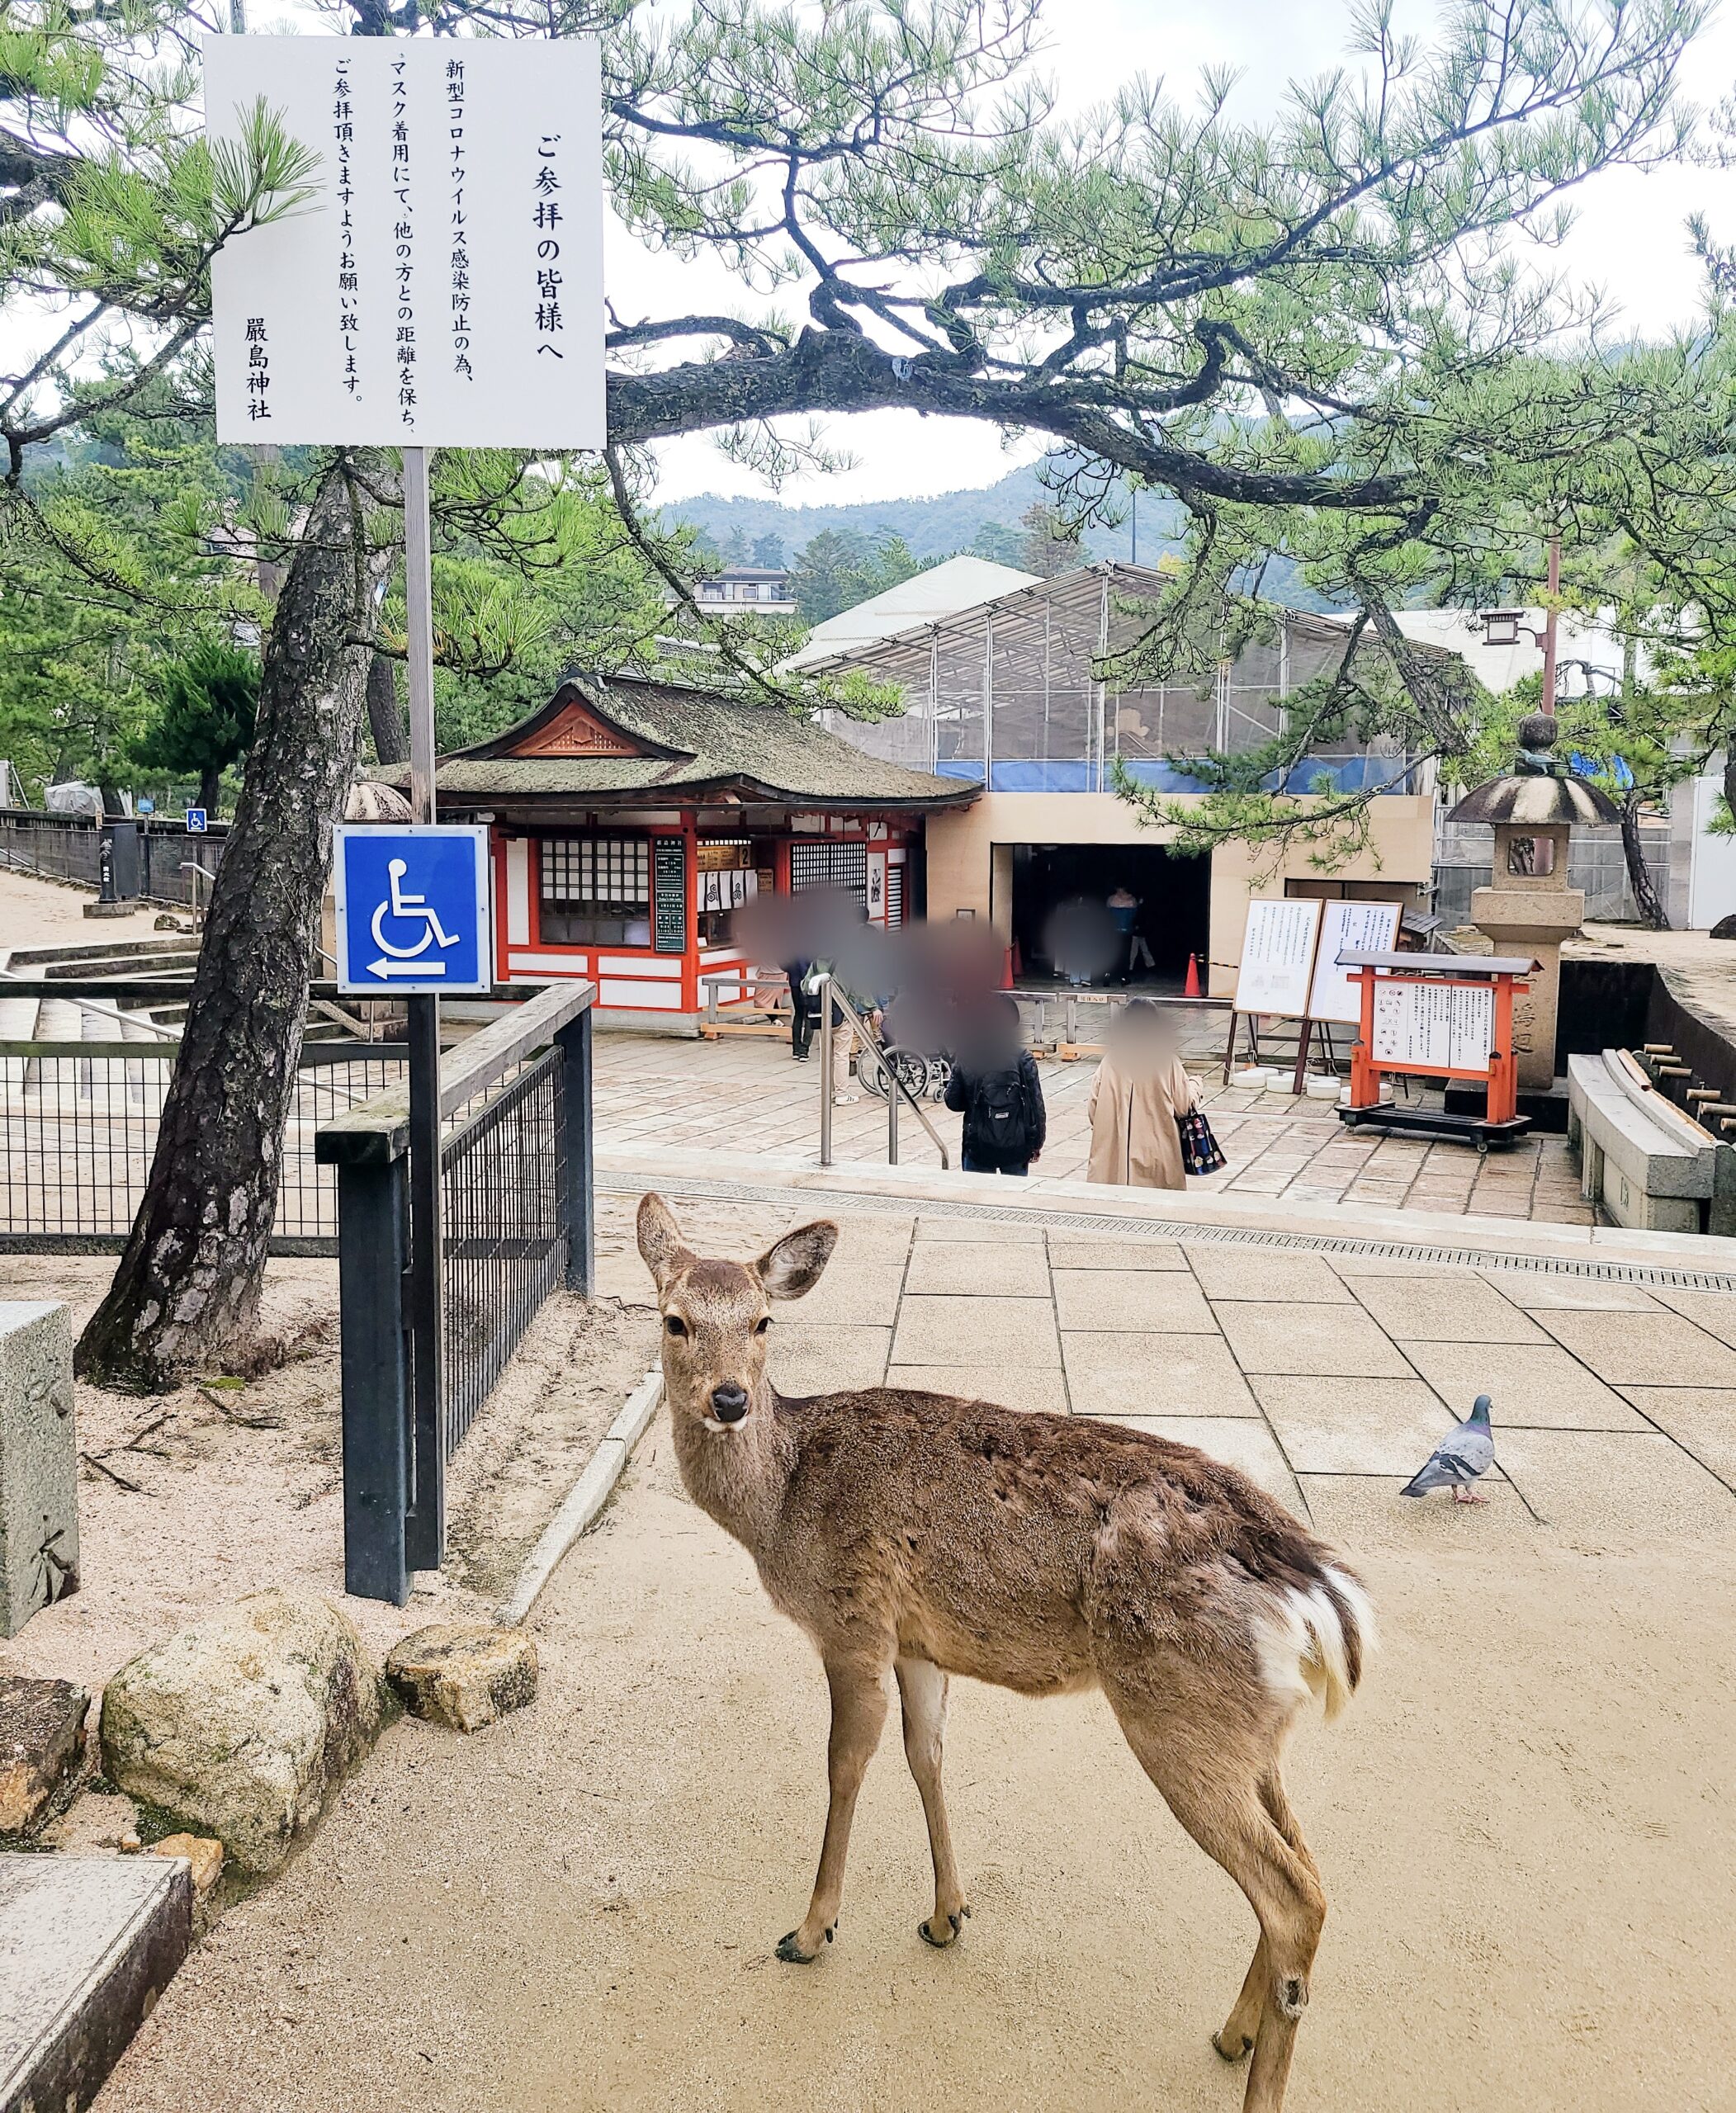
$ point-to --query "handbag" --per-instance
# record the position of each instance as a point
(1200, 1151)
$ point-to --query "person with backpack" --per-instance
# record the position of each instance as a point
(995, 1088)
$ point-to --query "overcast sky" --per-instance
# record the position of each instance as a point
(1630, 238)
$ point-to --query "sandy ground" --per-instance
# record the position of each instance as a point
(206, 1493)
(1522, 1825)
(36, 913)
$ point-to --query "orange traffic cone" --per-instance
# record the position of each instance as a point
(1006, 970)
(1192, 987)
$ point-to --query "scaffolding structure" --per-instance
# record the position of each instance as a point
(1020, 694)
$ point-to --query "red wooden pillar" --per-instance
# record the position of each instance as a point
(1364, 1078)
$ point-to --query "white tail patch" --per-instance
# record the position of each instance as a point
(1302, 1647)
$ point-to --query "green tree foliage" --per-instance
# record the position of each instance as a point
(1048, 541)
(203, 721)
(839, 568)
(768, 552)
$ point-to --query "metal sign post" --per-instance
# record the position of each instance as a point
(439, 285)
(424, 1526)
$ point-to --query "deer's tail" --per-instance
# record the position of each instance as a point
(1314, 1638)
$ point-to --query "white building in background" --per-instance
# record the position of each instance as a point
(925, 598)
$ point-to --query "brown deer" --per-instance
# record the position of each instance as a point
(923, 1536)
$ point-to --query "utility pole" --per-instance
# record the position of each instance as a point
(1548, 627)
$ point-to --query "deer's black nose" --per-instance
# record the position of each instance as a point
(730, 1402)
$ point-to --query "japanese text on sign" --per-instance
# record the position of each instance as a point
(443, 287)
(1429, 1026)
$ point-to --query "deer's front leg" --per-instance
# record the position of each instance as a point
(858, 1712)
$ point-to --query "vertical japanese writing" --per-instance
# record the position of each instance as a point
(549, 318)
(402, 245)
(454, 80)
(349, 316)
(258, 370)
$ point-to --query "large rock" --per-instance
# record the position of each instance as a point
(243, 1727)
(41, 1745)
(464, 1674)
(38, 1462)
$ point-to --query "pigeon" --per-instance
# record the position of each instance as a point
(1466, 1451)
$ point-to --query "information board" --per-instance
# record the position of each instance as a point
(1278, 945)
(1438, 1027)
(669, 895)
(1348, 928)
(442, 287)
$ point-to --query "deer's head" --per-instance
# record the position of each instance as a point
(717, 1316)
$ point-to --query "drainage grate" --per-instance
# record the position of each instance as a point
(702, 1189)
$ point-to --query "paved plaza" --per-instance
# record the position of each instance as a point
(748, 1097)
(1326, 1375)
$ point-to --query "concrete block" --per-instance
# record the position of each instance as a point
(42, 1747)
(38, 1462)
(88, 1944)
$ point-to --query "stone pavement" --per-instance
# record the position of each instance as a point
(1326, 1375)
(741, 1096)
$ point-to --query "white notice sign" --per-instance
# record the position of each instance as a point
(1349, 927)
(1438, 1027)
(1278, 956)
(444, 287)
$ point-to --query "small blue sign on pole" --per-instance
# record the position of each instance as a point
(412, 910)
(195, 821)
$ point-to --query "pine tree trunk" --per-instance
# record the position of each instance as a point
(187, 1293)
(385, 720)
(1639, 874)
(209, 782)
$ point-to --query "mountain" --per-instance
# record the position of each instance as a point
(947, 523)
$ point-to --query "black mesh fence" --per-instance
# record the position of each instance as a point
(503, 1243)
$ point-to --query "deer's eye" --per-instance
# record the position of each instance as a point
(675, 1323)
(765, 1323)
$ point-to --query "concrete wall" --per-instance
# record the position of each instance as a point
(970, 864)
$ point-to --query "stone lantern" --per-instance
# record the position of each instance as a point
(1528, 907)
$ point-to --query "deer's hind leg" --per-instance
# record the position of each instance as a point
(1229, 1799)
(922, 1691)
(858, 1714)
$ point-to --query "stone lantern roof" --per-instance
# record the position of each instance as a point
(1538, 791)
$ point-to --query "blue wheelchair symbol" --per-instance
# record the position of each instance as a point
(413, 909)
(196, 822)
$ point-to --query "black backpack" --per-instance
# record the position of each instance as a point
(998, 1123)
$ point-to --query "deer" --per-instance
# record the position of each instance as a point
(916, 1536)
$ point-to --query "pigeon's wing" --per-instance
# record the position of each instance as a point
(1461, 1457)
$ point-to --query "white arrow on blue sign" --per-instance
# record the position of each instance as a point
(413, 909)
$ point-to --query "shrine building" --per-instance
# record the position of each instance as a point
(632, 820)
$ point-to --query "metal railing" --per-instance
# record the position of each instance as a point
(68, 847)
(517, 1201)
(895, 1091)
(78, 1124)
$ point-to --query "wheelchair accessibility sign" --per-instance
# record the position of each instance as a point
(413, 909)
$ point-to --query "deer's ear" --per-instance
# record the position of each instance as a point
(794, 1265)
(660, 1245)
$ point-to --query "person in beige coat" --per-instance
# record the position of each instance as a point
(1139, 1091)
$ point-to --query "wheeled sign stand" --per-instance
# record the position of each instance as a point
(1437, 1016)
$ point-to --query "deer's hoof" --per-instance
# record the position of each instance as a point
(949, 1932)
(1234, 2051)
(790, 1951)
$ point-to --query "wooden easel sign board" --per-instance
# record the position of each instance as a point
(1348, 928)
(1278, 944)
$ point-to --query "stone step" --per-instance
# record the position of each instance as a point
(88, 1944)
